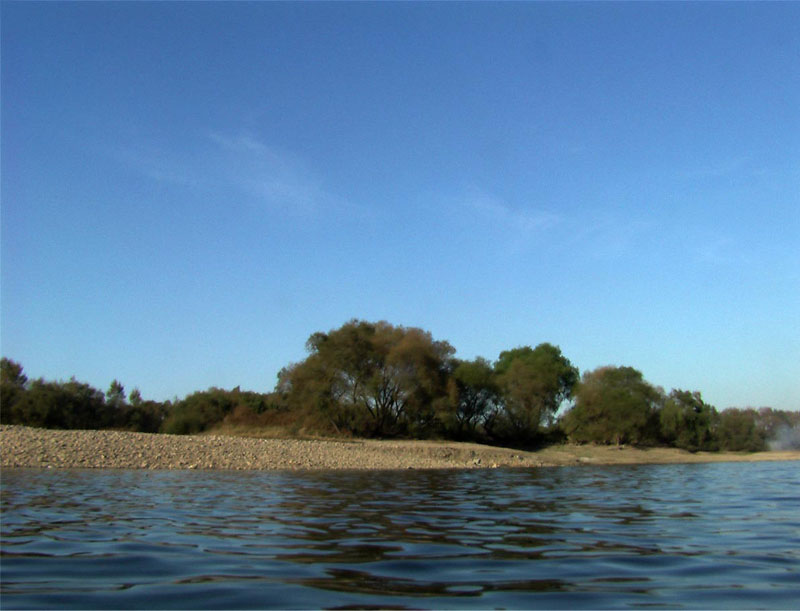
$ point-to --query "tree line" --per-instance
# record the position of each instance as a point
(370, 379)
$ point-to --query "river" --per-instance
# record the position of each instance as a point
(722, 535)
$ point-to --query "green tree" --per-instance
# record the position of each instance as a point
(115, 395)
(738, 431)
(13, 384)
(144, 416)
(208, 409)
(474, 393)
(687, 422)
(199, 411)
(67, 405)
(136, 397)
(614, 405)
(533, 384)
(372, 378)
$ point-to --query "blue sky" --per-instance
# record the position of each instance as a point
(189, 190)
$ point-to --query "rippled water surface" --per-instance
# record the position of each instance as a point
(698, 536)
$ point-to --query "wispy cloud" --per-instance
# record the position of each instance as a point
(274, 178)
(520, 227)
(525, 220)
(161, 164)
(261, 175)
(720, 250)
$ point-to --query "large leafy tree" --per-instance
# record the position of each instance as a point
(686, 421)
(371, 378)
(474, 394)
(614, 405)
(533, 384)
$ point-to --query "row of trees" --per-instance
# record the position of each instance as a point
(74, 404)
(380, 380)
(376, 379)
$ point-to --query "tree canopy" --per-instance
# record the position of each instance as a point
(371, 378)
(614, 405)
(533, 383)
(475, 395)
(687, 422)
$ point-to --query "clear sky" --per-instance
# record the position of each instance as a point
(189, 190)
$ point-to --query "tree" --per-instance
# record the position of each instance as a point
(115, 395)
(11, 372)
(738, 431)
(687, 422)
(372, 378)
(533, 384)
(13, 384)
(199, 411)
(145, 416)
(614, 405)
(474, 393)
(136, 397)
(65, 405)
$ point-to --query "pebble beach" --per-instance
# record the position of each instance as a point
(26, 447)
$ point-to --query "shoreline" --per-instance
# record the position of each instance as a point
(27, 447)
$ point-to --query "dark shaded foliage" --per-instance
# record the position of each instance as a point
(203, 410)
(13, 384)
(738, 430)
(687, 422)
(474, 395)
(63, 405)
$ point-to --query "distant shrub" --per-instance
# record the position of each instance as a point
(144, 417)
(738, 431)
(65, 405)
(687, 422)
(203, 410)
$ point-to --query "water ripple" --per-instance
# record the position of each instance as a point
(691, 536)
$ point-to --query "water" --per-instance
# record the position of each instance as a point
(696, 536)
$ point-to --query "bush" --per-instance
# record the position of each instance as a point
(686, 421)
(65, 405)
(614, 405)
(738, 431)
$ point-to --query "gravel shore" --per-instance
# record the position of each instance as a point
(25, 447)
(46, 448)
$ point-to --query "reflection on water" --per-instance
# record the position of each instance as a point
(702, 536)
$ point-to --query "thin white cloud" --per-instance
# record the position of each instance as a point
(258, 174)
(717, 249)
(161, 165)
(512, 229)
(518, 220)
(274, 178)
(608, 237)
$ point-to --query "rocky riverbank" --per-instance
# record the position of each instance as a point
(25, 447)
